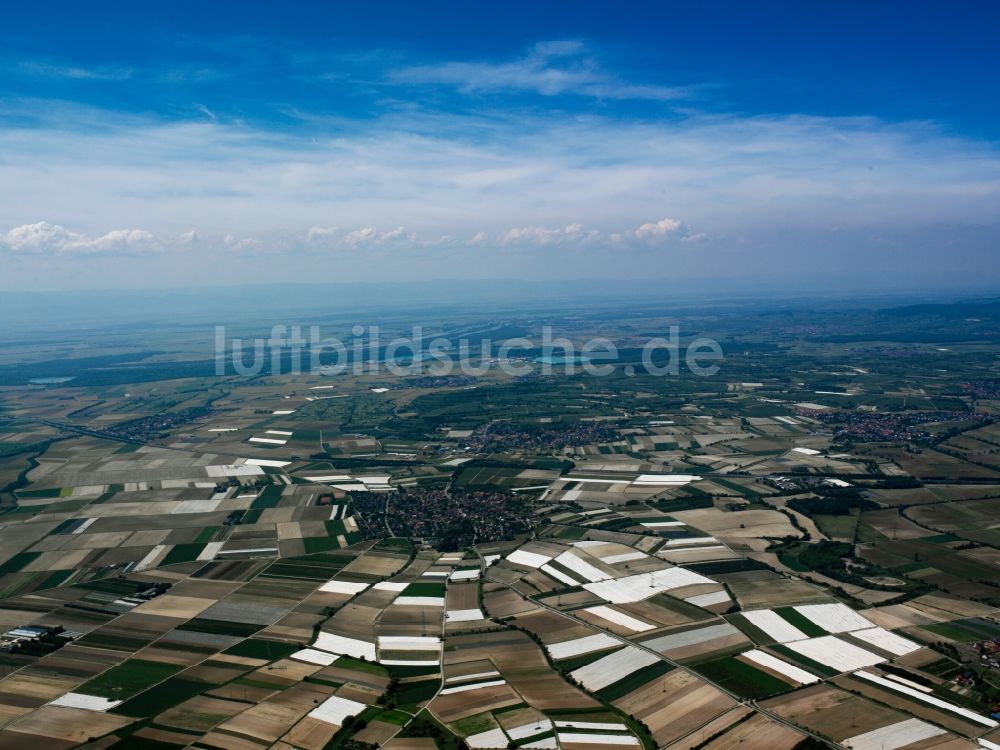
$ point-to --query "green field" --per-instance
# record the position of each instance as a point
(965, 631)
(128, 678)
(180, 553)
(424, 588)
(741, 678)
(634, 681)
(410, 694)
(268, 498)
(160, 697)
(800, 621)
(259, 648)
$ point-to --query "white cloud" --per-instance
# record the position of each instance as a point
(575, 235)
(40, 237)
(717, 173)
(317, 235)
(371, 236)
(661, 228)
(531, 235)
(549, 68)
(756, 185)
(359, 236)
(241, 244)
(44, 238)
(120, 239)
(100, 73)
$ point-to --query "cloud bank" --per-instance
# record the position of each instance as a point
(44, 238)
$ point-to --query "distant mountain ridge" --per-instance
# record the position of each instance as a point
(983, 309)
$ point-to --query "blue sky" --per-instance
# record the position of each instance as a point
(205, 143)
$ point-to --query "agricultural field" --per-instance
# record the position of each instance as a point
(786, 555)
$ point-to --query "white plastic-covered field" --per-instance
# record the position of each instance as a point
(265, 462)
(835, 653)
(685, 638)
(465, 575)
(894, 736)
(528, 559)
(775, 664)
(339, 644)
(84, 526)
(594, 726)
(312, 656)
(672, 479)
(190, 506)
(464, 615)
(925, 698)
(644, 585)
(624, 557)
(581, 567)
(475, 676)
(620, 618)
(691, 541)
(472, 686)
(887, 641)
(909, 683)
(409, 662)
(776, 626)
(527, 730)
(585, 645)
(343, 587)
(834, 618)
(548, 743)
(334, 710)
(419, 601)
(614, 667)
(390, 586)
(491, 738)
(409, 642)
(210, 551)
(559, 575)
(81, 700)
